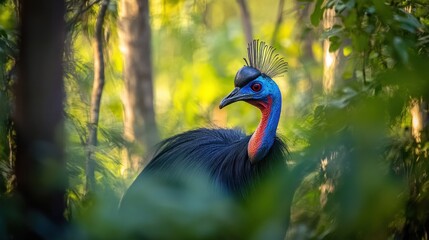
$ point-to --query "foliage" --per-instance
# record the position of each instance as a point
(373, 171)
(361, 172)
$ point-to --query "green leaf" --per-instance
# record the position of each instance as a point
(401, 49)
(344, 5)
(317, 14)
(335, 43)
(336, 30)
(408, 23)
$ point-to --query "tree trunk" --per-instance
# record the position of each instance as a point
(416, 224)
(331, 76)
(97, 90)
(140, 128)
(331, 60)
(39, 91)
(307, 38)
(11, 178)
(306, 58)
(246, 20)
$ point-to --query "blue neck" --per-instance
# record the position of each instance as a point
(263, 138)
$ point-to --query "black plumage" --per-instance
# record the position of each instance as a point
(219, 153)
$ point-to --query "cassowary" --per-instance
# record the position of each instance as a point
(233, 163)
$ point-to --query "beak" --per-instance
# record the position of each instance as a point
(234, 96)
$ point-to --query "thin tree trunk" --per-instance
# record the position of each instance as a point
(419, 118)
(140, 128)
(307, 38)
(306, 58)
(331, 75)
(97, 90)
(415, 226)
(11, 178)
(278, 21)
(246, 20)
(39, 91)
(330, 59)
(419, 110)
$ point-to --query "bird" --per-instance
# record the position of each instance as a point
(234, 163)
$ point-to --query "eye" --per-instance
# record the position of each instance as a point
(256, 87)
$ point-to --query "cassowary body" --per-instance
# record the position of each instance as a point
(234, 163)
(219, 153)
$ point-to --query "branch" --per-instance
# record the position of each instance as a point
(97, 90)
(245, 18)
(278, 21)
(73, 20)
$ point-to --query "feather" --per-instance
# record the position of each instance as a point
(261, 56)
(219, 153)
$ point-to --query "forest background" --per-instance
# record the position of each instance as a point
(87, 87)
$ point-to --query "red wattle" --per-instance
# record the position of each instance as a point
(257, 137)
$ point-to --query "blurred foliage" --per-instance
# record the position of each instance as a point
(361, 173)
(372, 180)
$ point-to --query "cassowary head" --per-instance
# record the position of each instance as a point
(253, 82)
